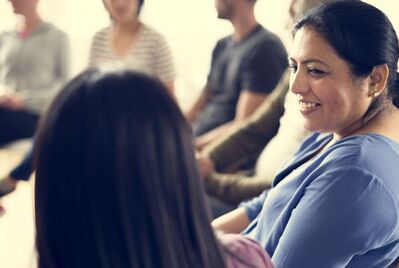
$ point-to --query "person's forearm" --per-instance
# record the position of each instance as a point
(246, 143)
(235, 188)
(192, 113)
(233, 222)
(210, 136)
(248, 102)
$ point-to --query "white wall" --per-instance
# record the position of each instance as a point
(190, 26)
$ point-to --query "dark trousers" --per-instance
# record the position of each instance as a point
(25, 168)
(15, 125)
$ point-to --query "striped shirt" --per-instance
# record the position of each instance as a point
(150, 54)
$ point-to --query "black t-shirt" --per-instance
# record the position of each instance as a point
(256, 63)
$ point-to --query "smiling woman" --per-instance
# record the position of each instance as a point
(331, 98)
(336, 203)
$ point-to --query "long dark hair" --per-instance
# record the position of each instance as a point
(116, 179)
(363, 36)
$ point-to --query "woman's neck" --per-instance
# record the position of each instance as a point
(384, 122)
(128, 28)
(124, 37)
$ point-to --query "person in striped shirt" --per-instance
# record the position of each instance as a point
(130, 44)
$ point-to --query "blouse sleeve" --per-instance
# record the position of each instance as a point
(254, 205)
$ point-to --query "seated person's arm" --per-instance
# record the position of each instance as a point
(234, 188)
(247, 104)
(245, 143)
(233, 222)
(12, 101)
(259, 74)
(199, 104)
(237, 220)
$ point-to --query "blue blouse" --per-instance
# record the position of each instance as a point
(342, 210)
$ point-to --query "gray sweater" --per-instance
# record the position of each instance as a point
(34, 66)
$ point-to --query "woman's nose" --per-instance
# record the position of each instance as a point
(298, 83)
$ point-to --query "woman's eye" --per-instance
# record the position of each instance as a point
(315, 72)
(292, 68)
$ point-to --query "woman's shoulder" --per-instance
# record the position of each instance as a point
(102, 33)
(365, 159)
(151, 34)
(367, 150)
(242, 252)
(371, 139)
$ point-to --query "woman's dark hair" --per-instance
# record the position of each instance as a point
(117, 183)
(141, 3)
(362, 35)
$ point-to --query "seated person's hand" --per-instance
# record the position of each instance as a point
(205, 165)
(201, 142)
(12, 101)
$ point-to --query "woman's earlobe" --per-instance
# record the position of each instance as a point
(379, 78)
(374, 93)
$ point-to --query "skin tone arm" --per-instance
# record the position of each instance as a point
(170, 85)
(205, 165)
(247, 104)
(198, 105)
(233, 222)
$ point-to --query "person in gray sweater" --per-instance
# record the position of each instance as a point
(34, 62)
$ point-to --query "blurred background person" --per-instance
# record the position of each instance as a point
(243, 163)
(245, 68)
(34, 62)
(126, 44)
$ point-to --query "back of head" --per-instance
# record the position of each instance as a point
(116, 179)
(360, 34)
